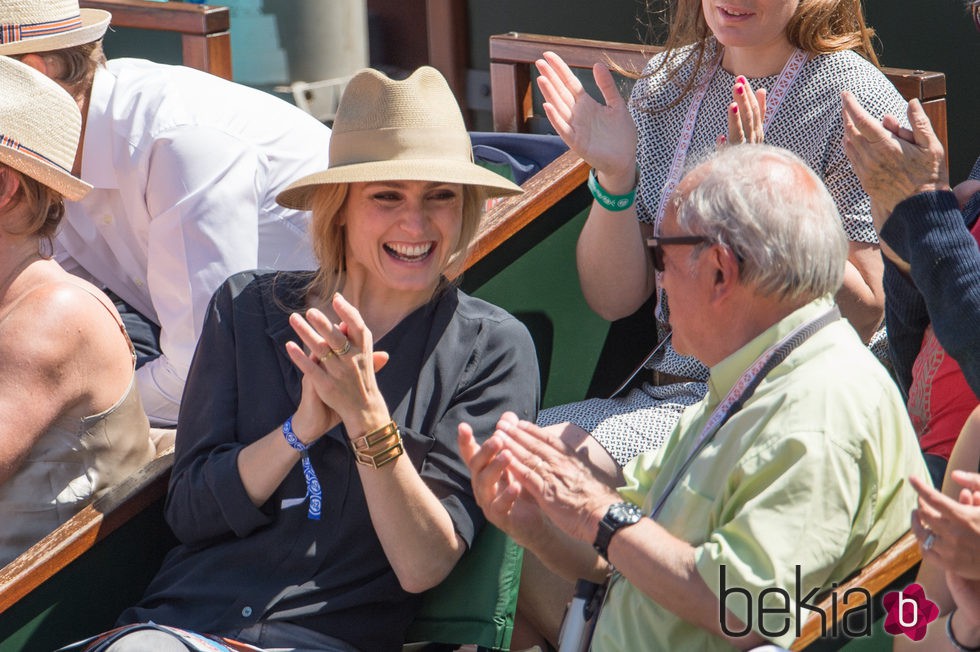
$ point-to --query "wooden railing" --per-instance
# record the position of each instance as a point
(513, 54)
(883, 571)
(204, 30)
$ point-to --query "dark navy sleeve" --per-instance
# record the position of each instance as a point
(206, 498)
(500, 375)
(930, 232)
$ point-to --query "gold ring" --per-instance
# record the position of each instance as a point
(343, 351)
(322, 358)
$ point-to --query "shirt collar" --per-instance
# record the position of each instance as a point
(726, 373)
(97, 168)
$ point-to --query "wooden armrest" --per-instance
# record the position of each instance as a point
(541, 192)
(205, 39)
(79, 533)
(873, 578)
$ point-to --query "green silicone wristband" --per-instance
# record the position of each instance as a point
(614, 203)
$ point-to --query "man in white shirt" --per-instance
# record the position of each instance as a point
(185, 167)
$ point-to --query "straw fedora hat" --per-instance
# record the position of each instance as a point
(388, 130)
(43, 25)
(39, 128)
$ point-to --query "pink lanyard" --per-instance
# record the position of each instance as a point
(742, 391)
(773, 101)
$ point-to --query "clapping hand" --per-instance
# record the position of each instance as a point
(948, 529)
(338, 370)
(746, 115)
(602, 134)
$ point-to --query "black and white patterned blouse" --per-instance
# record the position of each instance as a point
(808, 123)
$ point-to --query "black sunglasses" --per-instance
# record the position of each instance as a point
(657, 244)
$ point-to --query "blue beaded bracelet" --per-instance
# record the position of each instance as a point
(313, 490)
(613, 203)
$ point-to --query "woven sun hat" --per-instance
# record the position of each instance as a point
(388, 130)
(39, 128)
(43, 25)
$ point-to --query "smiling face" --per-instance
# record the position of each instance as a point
(758, 25)
(401, 234)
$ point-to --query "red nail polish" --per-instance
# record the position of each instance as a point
(734, 108)
(740, 89)
(740, 79)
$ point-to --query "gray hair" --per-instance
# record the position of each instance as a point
(769, 207)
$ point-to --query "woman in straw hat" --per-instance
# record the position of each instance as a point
(317, 484)
(73, 422)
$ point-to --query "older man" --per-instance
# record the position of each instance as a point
(759, 499)
(186, 168)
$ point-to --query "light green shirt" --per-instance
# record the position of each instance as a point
(810, 473)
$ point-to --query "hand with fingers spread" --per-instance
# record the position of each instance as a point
(498, 491)
(893, 163)
(339, 370)
(746, 114)
(949, 530)
(602, 134)
(559, 482)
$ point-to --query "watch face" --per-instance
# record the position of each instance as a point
(625, 513)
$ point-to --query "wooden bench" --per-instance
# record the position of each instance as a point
(890, 567)
(203, 29)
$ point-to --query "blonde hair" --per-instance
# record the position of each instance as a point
(817, 27)
(329, 238)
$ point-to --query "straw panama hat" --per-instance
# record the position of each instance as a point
(39, 128)
(388, 130)
(42, 25)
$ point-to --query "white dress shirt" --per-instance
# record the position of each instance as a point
(185, 168)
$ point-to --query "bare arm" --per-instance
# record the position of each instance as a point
(80, 366)
(862, 296)
(613, 264)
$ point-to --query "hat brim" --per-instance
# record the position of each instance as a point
(94, 24)
(299, 193)
(70, 187)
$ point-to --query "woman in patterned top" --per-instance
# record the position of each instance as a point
(696, 95)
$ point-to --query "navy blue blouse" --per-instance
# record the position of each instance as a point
(455, 359)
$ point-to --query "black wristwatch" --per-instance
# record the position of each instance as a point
(618, 516)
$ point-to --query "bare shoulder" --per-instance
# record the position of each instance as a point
(59, 321)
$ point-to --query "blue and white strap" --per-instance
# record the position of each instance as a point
(313, 490)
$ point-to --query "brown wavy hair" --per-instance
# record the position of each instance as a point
(76, 66)
(45, 207)
(817, 27)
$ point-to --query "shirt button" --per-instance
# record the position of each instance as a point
(138, 282)
(107, 219)
(246, 612)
